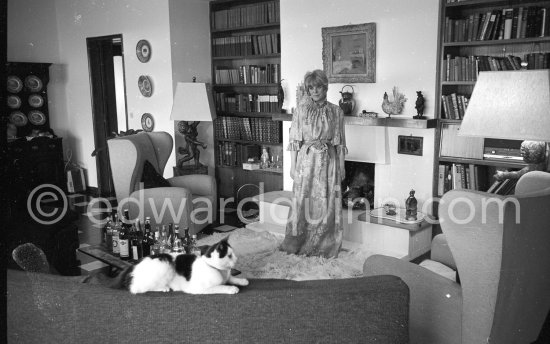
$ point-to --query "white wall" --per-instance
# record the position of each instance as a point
(190, 33)
(406, 55)
(56, 31)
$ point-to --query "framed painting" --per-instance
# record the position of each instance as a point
(349, 53)
(412, 145)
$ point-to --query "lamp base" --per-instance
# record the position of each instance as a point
(185, 170)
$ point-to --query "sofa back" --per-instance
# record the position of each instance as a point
(54, 309)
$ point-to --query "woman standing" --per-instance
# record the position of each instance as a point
(317, 146)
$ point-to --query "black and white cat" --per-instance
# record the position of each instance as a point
(208, 274)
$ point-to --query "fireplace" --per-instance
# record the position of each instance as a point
(358, 186)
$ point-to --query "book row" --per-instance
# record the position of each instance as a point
(245, 16)
(474, 177)
(246, 45)
(248, 74)
(466, 68)
(507, 23)
(247, 128)
(454, 105)
(232, 102)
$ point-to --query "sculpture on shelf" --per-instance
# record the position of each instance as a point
(419, 105)
(395, 106)
(190, 149)
(347, 103)
(534, 155)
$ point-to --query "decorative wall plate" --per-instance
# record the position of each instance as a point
(145, 86)
(14, 102)
(143, 51)
(33, 83)
(18, 119)
(36, 100)
(147, 122)
(36, 117)
(15, 85)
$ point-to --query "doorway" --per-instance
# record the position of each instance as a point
(108, 92)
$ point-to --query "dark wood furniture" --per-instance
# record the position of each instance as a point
(246, 70)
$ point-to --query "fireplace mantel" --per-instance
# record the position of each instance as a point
(377, 122)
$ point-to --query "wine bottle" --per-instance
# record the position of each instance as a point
(155, 247)
(123, 238)
(186, 240)
(115, 239)
(146, 239)
(135, 241)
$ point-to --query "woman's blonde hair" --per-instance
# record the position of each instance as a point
(315, 78)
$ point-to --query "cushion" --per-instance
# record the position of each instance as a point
(151, 178)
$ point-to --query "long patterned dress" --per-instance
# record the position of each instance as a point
(315, 225)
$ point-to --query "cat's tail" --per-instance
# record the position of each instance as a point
(123, 280)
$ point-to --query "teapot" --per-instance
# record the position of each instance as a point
(347, 104)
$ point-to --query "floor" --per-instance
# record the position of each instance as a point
(91, 213)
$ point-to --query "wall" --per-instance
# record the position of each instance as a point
(406, 55)
(190, 35)
(56, 31)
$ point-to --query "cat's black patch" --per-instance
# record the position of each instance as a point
(184, 265)
(221, 247)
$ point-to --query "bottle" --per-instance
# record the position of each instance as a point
(177, 246)
(155, 247)
(135, 242)
(186, 241)
(146, 239)
(115, 239)
(124, 238)
(193, 248)
(411, 205)
(109, 234)
(164, 244)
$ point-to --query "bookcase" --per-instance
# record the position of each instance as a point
(246, 74)
(475, 36)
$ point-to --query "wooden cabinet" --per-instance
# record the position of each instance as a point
(475, 36)
(246, 74)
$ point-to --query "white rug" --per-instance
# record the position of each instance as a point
(259, 257)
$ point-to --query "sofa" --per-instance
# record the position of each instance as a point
(45, 308)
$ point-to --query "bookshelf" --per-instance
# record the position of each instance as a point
(246, 74)
(474, 36)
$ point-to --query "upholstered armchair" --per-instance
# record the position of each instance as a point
(500, 246)
(189, 201)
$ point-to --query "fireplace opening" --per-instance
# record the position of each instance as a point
(358, 186)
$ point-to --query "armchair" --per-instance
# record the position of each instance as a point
(501, 248)
(189, 201)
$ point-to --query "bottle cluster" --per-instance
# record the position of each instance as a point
(134, 240)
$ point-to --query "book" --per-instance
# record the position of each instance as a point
(441, 180)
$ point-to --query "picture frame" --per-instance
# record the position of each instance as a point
(349, 53)
(412, 145)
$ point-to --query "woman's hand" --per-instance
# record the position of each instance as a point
(293, 173)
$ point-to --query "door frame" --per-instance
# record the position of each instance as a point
(101, 51)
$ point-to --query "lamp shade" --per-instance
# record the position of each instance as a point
(192, 102)
(512, 105)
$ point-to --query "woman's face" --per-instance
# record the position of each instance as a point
(317, 93)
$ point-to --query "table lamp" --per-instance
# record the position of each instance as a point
(512, 105)
(193, 103)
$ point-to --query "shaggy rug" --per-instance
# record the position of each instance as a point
(259, 257)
